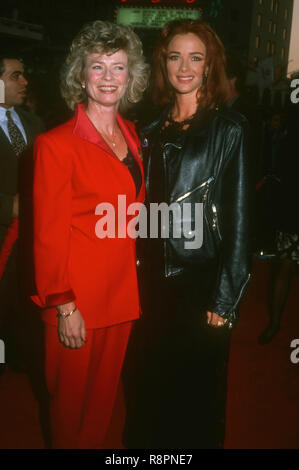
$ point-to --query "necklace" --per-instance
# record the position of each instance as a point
(111, 140)
(180, 124)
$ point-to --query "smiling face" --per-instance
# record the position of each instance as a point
(15, 83)
(185, 63)
(106, 78)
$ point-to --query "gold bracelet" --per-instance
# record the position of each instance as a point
(66, 315)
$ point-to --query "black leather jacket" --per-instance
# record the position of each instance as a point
(209, 164)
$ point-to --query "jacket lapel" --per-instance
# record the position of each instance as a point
(5, 144)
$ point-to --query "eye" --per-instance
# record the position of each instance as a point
(119, 68)
(15, 75)
(173, 57)
(96, 67)
(197, 58)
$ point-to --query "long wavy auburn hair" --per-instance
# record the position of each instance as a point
(214, 90)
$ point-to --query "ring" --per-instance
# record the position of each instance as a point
(220, 323)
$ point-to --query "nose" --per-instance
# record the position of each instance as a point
(23, 80)
(184, 64)
(107, 74)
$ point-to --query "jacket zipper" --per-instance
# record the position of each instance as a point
(166, 269)
(206, 183)
(215, 225)
(232, 311)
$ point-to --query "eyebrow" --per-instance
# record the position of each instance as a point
(192, 53)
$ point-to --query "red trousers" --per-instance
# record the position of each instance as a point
(82, 385)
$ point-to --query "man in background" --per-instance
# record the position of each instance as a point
(18, 130)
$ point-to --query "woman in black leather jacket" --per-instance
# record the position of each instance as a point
(194, 153)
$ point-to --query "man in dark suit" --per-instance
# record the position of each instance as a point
(18, 129)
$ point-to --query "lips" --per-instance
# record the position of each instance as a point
(108, 89)
(185, 79)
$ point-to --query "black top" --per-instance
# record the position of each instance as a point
(168, 133)
(134, 169)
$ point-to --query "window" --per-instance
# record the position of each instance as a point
(257, 41)
(286, 14)
(276, 7)
(283, 52)
(273, 47)
(270, 26)
(259, 20)
(274, 28)
(284, 33)
(272, 5)
(260, 2)
(268, 47)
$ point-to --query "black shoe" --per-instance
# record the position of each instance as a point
(2, 368)
(267, 336)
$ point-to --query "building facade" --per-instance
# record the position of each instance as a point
(257, 29)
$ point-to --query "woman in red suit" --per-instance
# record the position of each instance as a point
(85, 276)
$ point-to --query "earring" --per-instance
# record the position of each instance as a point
(83, 86)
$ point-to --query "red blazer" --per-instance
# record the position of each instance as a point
(74, 171)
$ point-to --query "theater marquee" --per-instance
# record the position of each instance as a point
(153, 17)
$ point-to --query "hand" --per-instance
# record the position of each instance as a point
(71, 330)
(15, 206)
(215, 320)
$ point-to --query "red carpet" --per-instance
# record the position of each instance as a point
(263, 385)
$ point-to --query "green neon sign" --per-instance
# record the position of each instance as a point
(153, 17)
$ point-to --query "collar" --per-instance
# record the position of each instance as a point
(84, 128)
(3, 112)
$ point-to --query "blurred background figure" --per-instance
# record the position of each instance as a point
(273, 135)
(18, 129)
(239, 100)
(285, 216)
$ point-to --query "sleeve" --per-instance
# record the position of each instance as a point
(52, 199)
(235, 215)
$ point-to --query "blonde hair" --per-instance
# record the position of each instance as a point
(103, 37)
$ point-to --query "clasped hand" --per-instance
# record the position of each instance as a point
(215, 320)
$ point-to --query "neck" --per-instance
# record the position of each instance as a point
(184, 107)
(102, 117)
